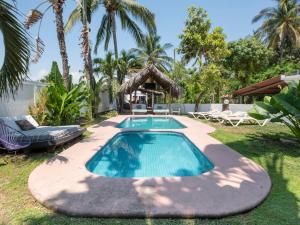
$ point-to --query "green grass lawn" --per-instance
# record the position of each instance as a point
(261, 144)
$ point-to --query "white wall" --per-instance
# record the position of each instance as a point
(104, 104)
(25, 96)
(184, 108)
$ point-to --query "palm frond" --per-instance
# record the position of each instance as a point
(17, 49)
(39, 50)
(101, 31)
(73, 19)
(141, 13)
(128, 24)
(32, 17)
(76, 14)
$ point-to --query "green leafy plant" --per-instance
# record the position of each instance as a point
(58, 106)
(283, 107)
(63, 107)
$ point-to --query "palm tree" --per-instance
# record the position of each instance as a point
(17, 49)
(124, 9)
(106, 68)
(127, 63)
(83, 12)
(34, 16)
(150, 51)
(281, 25)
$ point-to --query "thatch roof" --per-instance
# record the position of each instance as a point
(150, 72)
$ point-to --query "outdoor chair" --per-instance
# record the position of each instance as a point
(161, 109)
(139, 108)
(204, 115)
(175, 109)
(217, 116)
(13, 140)
(237, 118)
(37, 138)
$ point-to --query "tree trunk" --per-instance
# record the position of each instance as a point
(86, 52)
(198, 102)
(114, 32)
(58, 9)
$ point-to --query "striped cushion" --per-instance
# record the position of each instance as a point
(45, 133)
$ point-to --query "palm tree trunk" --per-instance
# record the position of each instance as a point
(119, 76)
(114, 31)
(86, 52)
(58, 9)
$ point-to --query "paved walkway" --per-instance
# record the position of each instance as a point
(236, 184)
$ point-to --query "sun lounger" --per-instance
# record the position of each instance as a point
(161, 109)
(204, 115)
(139, 108)
(241, 117)
(219, 115)
(40, 136)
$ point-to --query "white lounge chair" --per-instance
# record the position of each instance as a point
(176, 109)
(219, 115)
(161, 109)
(204, 115)
(139, 108)
(237, 118)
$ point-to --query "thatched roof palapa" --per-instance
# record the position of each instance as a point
(150, 72)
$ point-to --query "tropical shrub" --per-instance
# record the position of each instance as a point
(56, 105)
(63, 107)
(283, 107)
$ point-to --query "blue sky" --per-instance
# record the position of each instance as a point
(234, 16)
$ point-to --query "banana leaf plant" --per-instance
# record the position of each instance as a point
(63, 107)
(283, 107)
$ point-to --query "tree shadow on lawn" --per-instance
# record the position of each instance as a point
(280, 207)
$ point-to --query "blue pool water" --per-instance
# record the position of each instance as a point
(149, 154)
(150, 123)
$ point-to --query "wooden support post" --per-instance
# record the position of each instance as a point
(130, 101)
(152, 101)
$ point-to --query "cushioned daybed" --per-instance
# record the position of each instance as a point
(44, 136)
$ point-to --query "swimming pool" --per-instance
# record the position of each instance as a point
(151, 123)
(149, 154)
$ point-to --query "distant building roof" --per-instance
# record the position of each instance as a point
(270, 86)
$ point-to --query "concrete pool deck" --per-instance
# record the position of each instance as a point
(236, 184)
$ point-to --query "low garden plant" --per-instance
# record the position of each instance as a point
(283, 107)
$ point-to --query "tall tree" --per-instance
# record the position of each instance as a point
(208, 48)
(107, 68)
(280, 27)
(127, 11)
(83, 12)
(34, 16)
(150, 51)
(17, 49)
(198, 42)
(248, 56)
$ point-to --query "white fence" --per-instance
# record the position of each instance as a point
(28, 93)
(185, 108)
(25, 96)
(104, 105)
